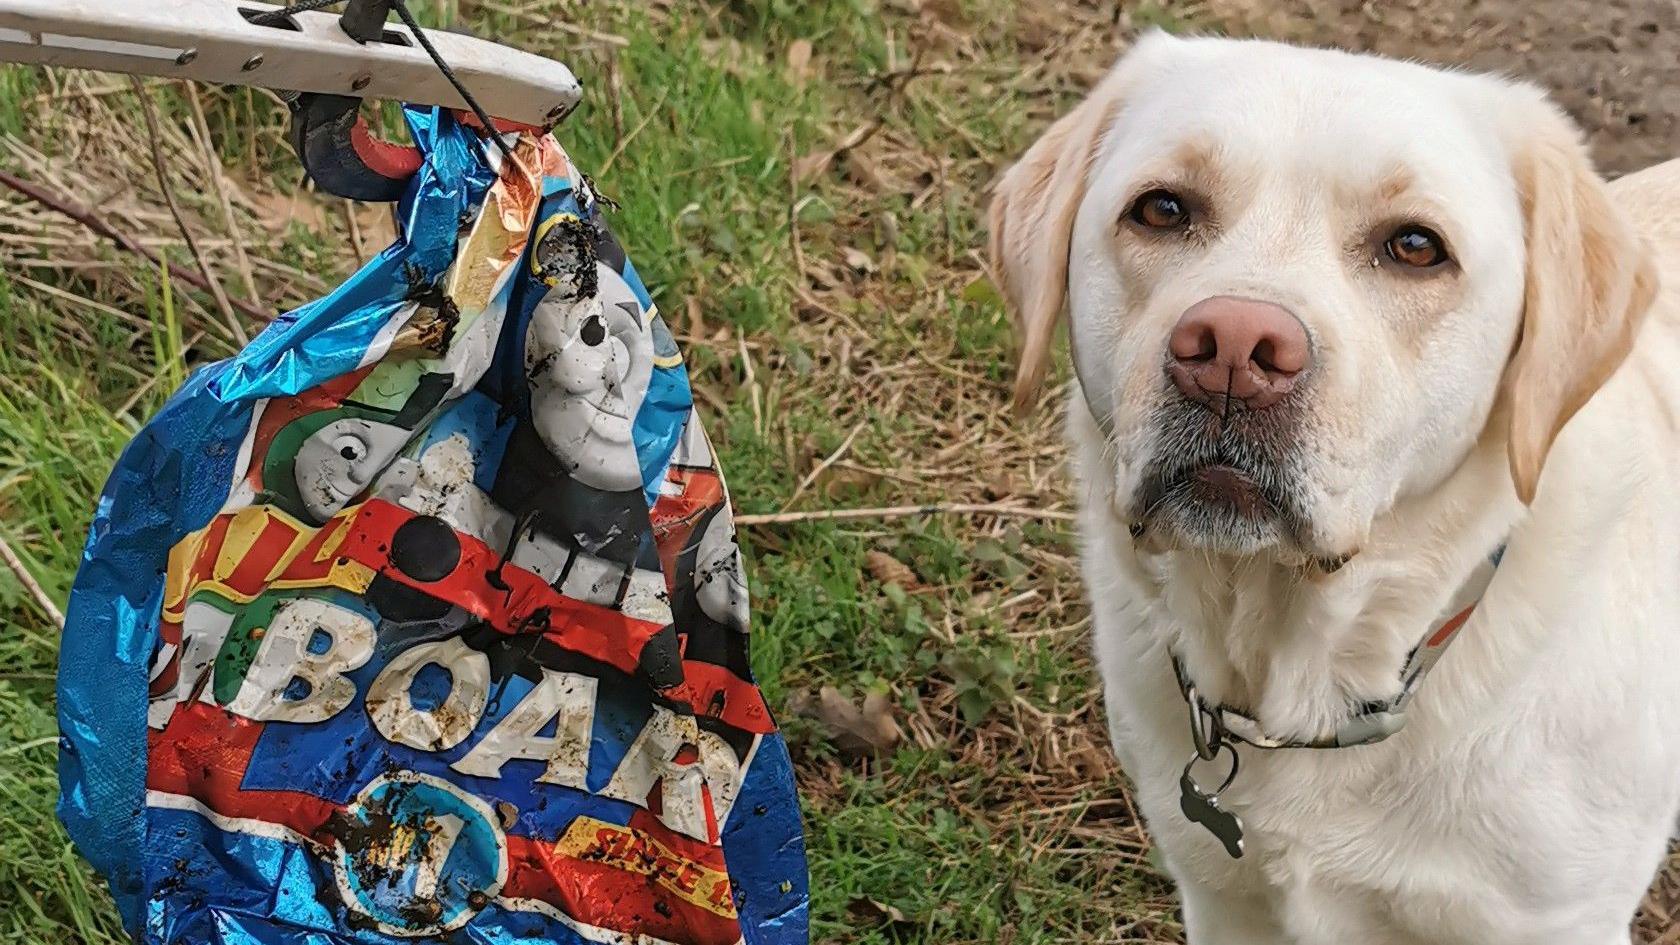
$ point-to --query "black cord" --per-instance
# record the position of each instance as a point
(275, 16)
(448, 73)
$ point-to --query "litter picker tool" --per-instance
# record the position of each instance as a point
(325, 64)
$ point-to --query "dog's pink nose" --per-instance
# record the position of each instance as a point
(1225, 348)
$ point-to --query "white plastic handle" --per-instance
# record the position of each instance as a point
(214, 41)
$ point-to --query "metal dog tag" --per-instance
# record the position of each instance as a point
(1201, 807)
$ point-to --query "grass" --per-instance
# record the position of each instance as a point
(809, 223)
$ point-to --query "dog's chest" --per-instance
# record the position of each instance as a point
(1376, 855)
(1406, 842)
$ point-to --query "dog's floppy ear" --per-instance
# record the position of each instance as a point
(1589, 280)
(1031, 223)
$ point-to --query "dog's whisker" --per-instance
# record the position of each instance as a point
(1330, 564)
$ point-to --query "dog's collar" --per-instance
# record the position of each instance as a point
(1374, 722)
(1214, 727)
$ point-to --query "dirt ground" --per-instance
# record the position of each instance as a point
(1612, 63)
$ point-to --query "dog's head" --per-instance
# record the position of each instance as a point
(1302, 284)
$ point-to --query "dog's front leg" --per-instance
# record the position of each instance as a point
(1217, 917)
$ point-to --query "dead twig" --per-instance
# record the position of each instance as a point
(555, 22)
(214, 162)
(832, 458)
(615, 92)
(349, 208)
(89, 219)
(902, 511)
(210, 280)
(606, 165)
(15, 565)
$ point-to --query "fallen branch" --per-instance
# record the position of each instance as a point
(89, 219)
(204, 270)
(15, 564)
(832, 458)
(213, 161)
(554, 22)
(903, 511)
(601, 172)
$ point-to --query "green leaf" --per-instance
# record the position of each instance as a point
(980, 291)
(975, 704)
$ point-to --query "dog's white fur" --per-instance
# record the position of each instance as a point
(1530, 796)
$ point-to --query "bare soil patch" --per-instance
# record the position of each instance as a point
(1613, 64)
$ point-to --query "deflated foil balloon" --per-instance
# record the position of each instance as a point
(423, 617)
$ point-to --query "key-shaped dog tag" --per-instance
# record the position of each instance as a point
(1202, 807)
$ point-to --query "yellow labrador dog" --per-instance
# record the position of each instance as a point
(1370, 362)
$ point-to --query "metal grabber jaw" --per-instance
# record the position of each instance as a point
(332, 139)
(337, 151)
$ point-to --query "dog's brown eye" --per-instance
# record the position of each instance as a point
(1416, 246)
(1160, 210)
